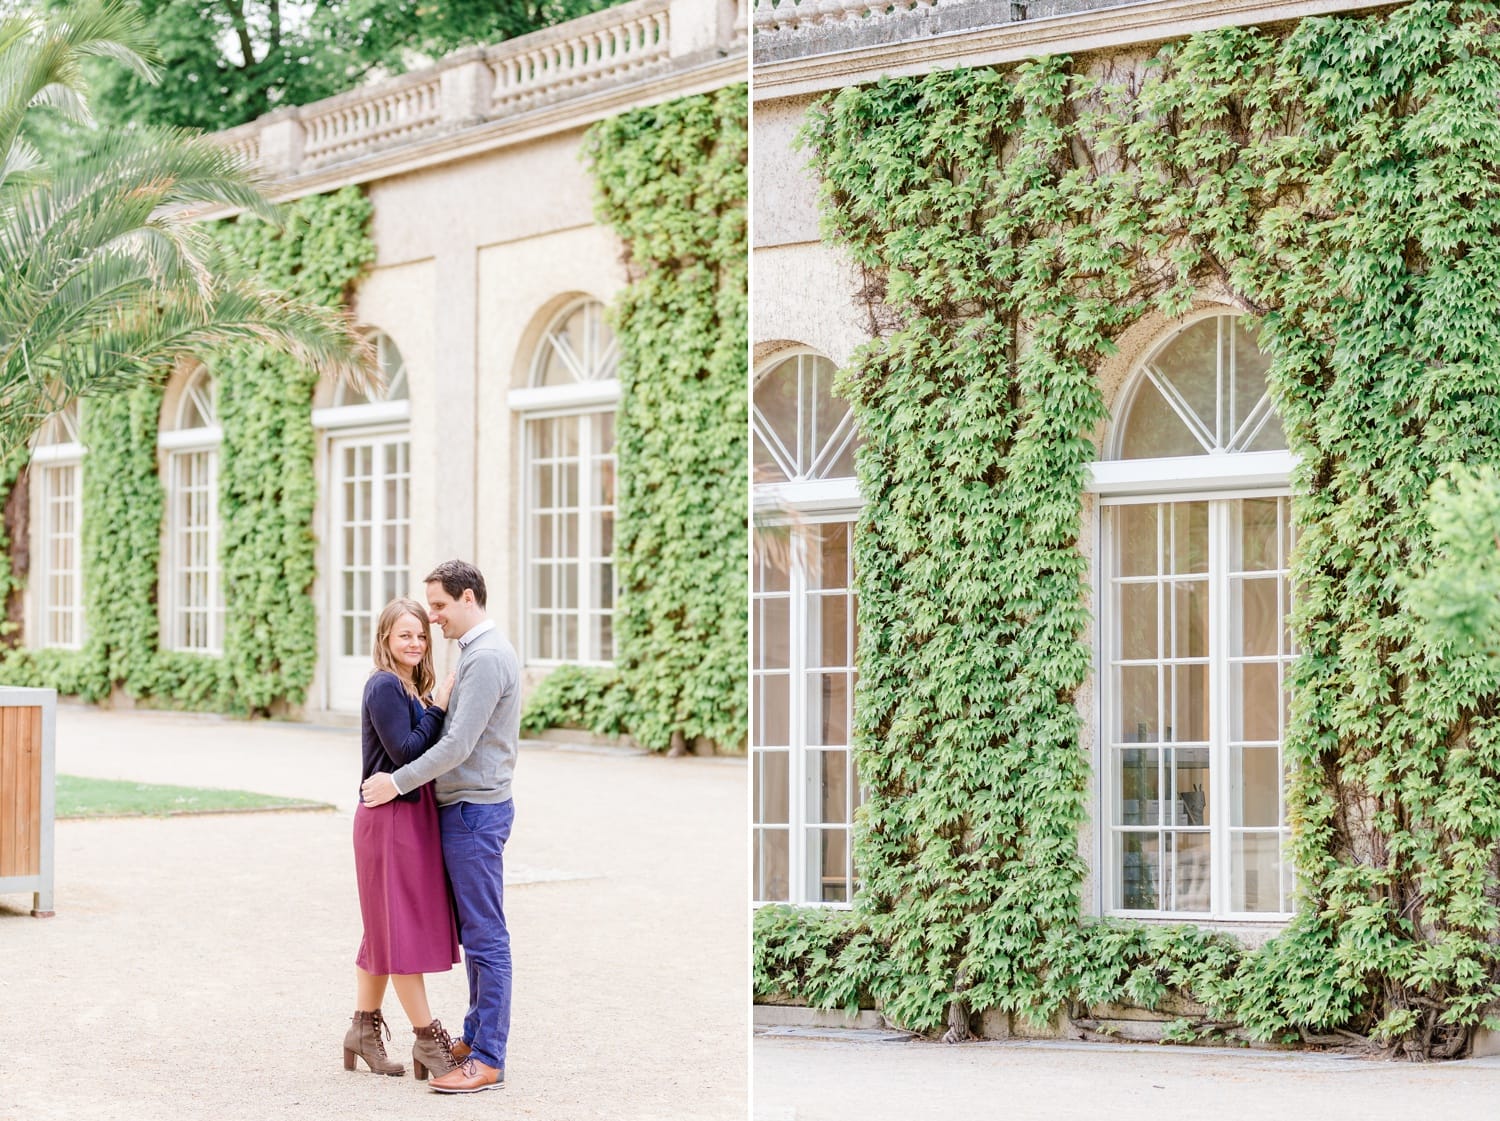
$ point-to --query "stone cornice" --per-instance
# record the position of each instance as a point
(1112, 28)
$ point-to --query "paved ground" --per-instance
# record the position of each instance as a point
(805, 1076)
(203, 967)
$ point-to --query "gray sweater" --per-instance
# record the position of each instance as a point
(476, 756)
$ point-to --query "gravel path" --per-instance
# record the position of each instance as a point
(202, 967)
(801, 1075)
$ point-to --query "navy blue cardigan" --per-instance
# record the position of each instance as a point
(395, 727)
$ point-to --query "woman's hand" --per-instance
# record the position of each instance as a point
(440, 694)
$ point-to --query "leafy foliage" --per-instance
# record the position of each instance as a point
(225, 62)
(587, 697)
(107, 277)
(266, 499)
(1336, 182)
(671, 181)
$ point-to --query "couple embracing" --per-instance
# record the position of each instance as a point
(435, 812)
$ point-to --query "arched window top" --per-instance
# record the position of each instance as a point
(198, 407)
(59, 428)
(578, 346)
(1201, 392)
(803, 431)
(392, 370)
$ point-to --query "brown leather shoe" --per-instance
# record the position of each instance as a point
(363, 1040)
(460, 1050)
(432, 1051)
(469, 1078)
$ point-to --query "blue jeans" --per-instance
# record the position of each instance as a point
(474, 837)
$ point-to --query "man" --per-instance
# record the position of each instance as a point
(472, 766)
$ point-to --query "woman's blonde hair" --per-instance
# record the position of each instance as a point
(423, 679)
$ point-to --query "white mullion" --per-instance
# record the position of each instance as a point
(797, 886)
(529, 629)
(1224, 384)
(1220, 604)
(1183, 410)
(773, 442)
(586, 651)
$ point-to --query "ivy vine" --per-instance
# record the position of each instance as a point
(671, 181)
(1336, 182)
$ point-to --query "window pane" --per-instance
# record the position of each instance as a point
(1189, 537)
(1187, 708)
(772, 632)
(1190, 787)
(827, 708)
(1154, 430)
(1255, 786)
(834, 879)
(1258, 521)
(828, 793)
(1138, 781)
(1190, 365)
(1256, 701)
(1138, 705)
(771, 863)
(828, 639)
(1136, 539)
(1190, 618)
(1191, 869)
(1256, 872)
(1257, 616)
(772, 788)
(830, 567)
(1138, 621)
(1140, 871)
(772, 701)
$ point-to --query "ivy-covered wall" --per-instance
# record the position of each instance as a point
(671, 181)
(267, 492)
(1335, 181)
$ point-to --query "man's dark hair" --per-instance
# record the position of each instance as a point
(455, 576)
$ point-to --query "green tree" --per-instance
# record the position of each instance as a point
(228, 61)
(108, 279)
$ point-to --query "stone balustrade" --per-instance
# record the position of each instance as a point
(581, 52)
(611, 48)
(357, 120)
(823, 25)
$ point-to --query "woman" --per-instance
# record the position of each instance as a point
(398, 856)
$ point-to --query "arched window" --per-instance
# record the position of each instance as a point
(802, 634)
(568, 414)
(392, 370)
(192, 581)
(367, 449)
(1196, 536)
(57, 562)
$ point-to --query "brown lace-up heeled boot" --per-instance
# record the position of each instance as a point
(433, 1051)
(363, 1039)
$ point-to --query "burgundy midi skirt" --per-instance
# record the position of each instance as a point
(403, 889)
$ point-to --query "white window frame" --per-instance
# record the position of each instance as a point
(178, 444)
(799, 505)
(800, 774)
(46, 459)
(1218, 478)
(1220, 831)
(582, 399)
(337, 424)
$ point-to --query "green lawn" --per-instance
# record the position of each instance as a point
(102, 797)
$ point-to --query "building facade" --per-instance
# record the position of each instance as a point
(1130, 764)
(487, 302)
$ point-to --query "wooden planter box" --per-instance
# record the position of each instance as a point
(28, 738)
